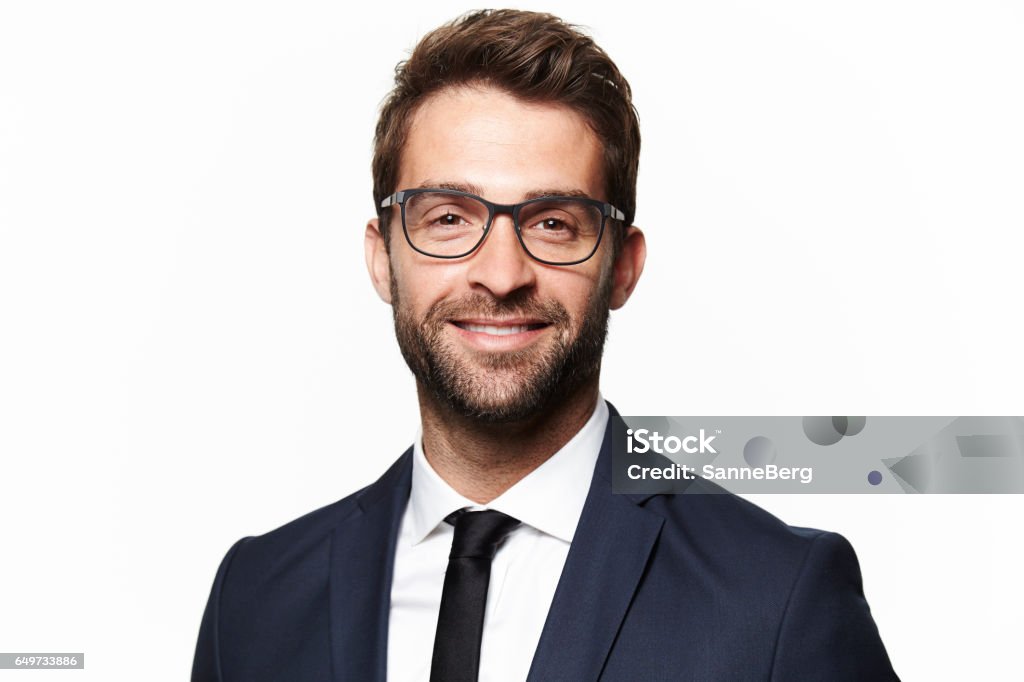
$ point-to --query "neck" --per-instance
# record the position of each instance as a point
(481, 460)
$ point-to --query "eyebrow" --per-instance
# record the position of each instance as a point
(470, 188)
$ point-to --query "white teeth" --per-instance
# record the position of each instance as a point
(496, 331)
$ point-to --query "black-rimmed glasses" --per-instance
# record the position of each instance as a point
(553, 230)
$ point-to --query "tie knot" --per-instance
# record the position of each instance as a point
(478, 534)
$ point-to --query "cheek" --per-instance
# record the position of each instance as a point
(576, 287)
(576, 296)
(422, 284)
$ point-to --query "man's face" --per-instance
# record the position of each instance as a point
(496, 335)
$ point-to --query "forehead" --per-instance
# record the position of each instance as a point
(502, 145)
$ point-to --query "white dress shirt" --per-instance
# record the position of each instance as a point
(524, 572)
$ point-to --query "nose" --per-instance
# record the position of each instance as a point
(500, 265)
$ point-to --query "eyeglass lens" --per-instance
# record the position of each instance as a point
(451, 225)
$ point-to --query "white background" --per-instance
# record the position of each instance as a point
(191, 351)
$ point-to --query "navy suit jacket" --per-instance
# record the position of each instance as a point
(655, 587)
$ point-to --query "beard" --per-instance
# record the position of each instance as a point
(503, 387)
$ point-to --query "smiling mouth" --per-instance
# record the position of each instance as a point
(499, 329)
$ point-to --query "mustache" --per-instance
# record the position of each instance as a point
(518, 304)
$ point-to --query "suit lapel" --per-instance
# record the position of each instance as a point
(606, 560)
(362, 561)
(605, 563)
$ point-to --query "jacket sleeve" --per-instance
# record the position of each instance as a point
(827, 632)
(206, 665)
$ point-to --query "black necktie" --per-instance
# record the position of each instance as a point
(460, 622)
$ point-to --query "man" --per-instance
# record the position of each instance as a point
(505, 178)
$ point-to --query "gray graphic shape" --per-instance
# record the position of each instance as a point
(997, 445)
(913, 472)
(759, 451)
(971, 455)
(822, 430)
(854, 425)
(830, 430)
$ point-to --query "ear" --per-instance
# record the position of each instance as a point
(377, 261)
(628, 266)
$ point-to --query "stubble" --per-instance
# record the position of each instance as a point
(503, 387)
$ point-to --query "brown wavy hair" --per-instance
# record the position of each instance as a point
(534, 56)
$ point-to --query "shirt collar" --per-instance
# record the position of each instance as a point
(550, 498)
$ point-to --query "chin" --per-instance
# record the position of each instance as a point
(483, 407)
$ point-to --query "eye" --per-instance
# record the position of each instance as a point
(449, 219)
(550, 226)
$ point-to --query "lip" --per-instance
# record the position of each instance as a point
(506, 334)
(500, 321)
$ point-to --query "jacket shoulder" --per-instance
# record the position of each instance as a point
(274, 588)
(308, 532)
(728, 572)
(734, 533)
